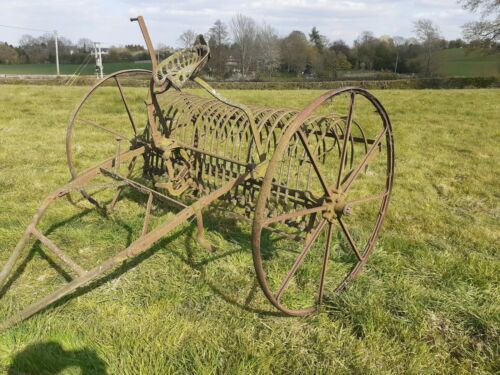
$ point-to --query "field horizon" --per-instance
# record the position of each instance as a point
(453, 62)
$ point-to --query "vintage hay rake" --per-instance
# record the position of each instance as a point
(314, 183)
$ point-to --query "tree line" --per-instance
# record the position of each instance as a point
(245, 49)
(41, 50)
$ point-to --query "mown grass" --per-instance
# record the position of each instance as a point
(427, 302)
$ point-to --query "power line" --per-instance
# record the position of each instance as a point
(46, 31)
(26, 28)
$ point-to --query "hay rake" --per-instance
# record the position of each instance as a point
(315, 183)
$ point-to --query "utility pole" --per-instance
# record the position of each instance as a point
(57, 53)
(101, 69)
(98, 60)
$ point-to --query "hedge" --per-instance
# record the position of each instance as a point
(410, 83)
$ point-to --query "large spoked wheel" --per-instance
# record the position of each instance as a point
(345, 164)
(107, 121)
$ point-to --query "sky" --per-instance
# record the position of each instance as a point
(107, 21)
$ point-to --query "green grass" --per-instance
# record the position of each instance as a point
(427, 302)
(460, 62)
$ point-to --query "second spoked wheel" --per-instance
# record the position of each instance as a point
(108, 120)
(345, 164)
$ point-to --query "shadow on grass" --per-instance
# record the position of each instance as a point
(216, 222)
(37, 249)
(228, 224)
(51, 358)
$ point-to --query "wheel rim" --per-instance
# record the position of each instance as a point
(349, 205)
(107, 121)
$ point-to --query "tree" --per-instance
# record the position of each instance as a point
(428, 34)
(364, 48)
(244, 31)
(187, 38)
(219, 33)
(340, 46)
(42, 49)
(342, 63)
(487, 29)
(294, 52)
(34, 49)
(268, 48)
(218, 39)
(317, 39)
(398, 41)
(8, 54)
(327, 64)
(134, 47)
(457, 43)
(85, 44)
(385, 53)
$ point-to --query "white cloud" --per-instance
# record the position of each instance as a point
(107, 21)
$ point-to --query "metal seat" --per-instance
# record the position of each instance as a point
(183, 65)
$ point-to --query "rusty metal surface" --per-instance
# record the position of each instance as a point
(296, 174)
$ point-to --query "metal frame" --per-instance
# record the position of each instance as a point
(214, 149)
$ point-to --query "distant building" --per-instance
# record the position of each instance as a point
(232, 65)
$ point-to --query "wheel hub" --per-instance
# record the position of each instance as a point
(336, 206)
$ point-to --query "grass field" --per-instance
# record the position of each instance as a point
(460, 62)
(427, 302)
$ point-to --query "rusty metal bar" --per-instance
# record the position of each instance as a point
(147, 217)
(58, 252)
(142, 188)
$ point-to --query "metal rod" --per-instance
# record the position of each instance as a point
(299, 259)
(58, 252)
(145, 226)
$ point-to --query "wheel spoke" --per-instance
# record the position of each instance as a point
(130, 169)
(364, 162)
(98, 126)
(350, 239)
(326, 256)
(292, 215)
(347, 135)
(314, 162)
(299, 259)
(126, 105)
